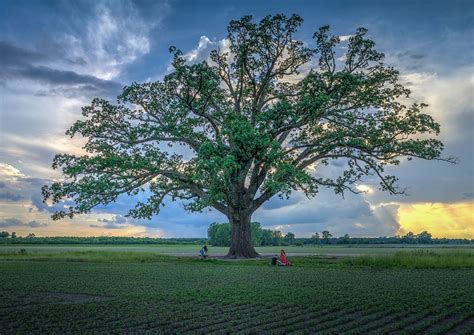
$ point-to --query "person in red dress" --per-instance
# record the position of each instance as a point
(283, 260)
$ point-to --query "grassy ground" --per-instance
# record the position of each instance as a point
(194, 249)
(91, 291)
(421, 259)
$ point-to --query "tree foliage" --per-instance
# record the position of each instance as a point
(315, 239)
(326, 236)
(219, 234)
(290, 238)
(257, 119)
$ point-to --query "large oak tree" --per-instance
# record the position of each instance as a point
(257, 118)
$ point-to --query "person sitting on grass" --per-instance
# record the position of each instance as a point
(203, 251)
(275, 260)
(283, 260)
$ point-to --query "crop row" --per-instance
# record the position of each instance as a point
(207, 319)
(57, 297)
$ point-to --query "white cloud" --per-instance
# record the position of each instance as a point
(418, 78)
(32, 131)
(62, 76)
(344, 38)
(10, 173)
(204, 48)
(450, 99)
(365, 188)
(115, 36)
(353, 215)
(451, 103)
(311, 167)
(199, 53)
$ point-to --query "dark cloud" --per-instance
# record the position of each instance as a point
(70, 80)
(82, 90)
(11, 55)
(28, 189)
(117, 222)
(409, 55)
(20, 64)
(35, 224)
(20, 188)
(387, 223)
(316, 210)
(12, 222)
(468, 195)
(37, 201)
(277, 202)
(107, 226)
(117, 219)
(67, 78)
(79, 61)
(353, 215)
(410, 61)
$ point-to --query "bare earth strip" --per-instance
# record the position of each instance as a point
(265, 255)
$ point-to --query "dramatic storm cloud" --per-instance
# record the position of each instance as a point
(70, 52)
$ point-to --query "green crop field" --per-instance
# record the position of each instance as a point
(131, 291)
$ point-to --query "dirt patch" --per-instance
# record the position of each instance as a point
(263, 255)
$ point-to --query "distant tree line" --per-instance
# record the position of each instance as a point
(7, 238)
(410, 238)
(219, 235)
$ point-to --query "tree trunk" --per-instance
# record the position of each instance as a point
(241, 237)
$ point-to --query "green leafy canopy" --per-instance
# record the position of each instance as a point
(256, 117)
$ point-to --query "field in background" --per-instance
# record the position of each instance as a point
(84, 289)
(189, 250)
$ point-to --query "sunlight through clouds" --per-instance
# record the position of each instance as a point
(441, 219)
(365, 188)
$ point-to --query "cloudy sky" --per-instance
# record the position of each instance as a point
(55, 56)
